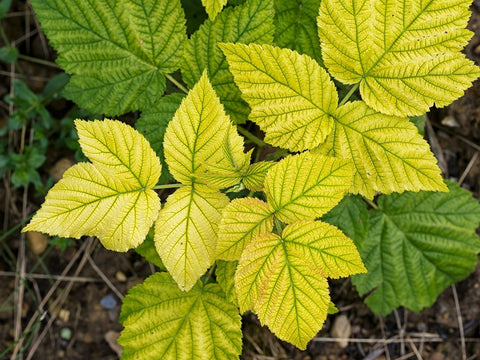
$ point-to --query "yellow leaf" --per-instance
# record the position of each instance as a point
(112, 197)
(282, 279)
(254, 177)
(291, 96)
(404, 54)
(307, 185)
(388, 153)
(195, 136)
(186, 232)
(242, 220)
(213, 7)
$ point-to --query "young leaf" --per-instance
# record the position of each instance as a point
(306, 186)
(417, 245)
(213, 7)
(388, 153)
(254, 177)
(242, 220)
(293, 268)
(186, 232)
(112, 197)
(296, 26)
(291, 96)
(117, 52)
(162, 322)
(195, 136)
(249, 22)
(234, 165)
(404, 54)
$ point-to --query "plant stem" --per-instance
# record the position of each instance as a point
(209, 273)
(176, 83)
(38, 61)
(251, 137)
(349, 94)
(168, 186)
(371, 203)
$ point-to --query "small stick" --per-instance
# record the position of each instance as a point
(469, 167)
(460, 322)
(104, 277)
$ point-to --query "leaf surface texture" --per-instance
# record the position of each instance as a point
(111, 197)
(163, 322)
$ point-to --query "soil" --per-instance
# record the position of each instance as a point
(74, 322)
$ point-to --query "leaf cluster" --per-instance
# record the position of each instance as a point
(302, 219)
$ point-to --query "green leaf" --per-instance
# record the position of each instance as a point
(296, 26)
(148, 251)
(116, 51)
(8, 54)
(4, 7)
(186, 232)
(404, 54)
(190, 145)
(350, 216)
(242, 220)
(250, 22)
(388, 153)
(112, 197)
(417, 245)
(306, 186)
(225, 273)
(162, 322)
(254, 177)
(283, 279)
(153, 123)
(213, 7)
(291, 96)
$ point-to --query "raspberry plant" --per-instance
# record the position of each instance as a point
(269, 249)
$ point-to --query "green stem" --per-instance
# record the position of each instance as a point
(4, 36)
(39, 61)
(176, 83)
(209, 273)
(13, 229)
(251, 137)
(371, 203)
(168, 186)
(349, 94)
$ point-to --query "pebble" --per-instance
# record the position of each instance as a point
(57, 170)
(120, 276)
(66, 333)
(37, 242)
(341, 329)
(108, 302)
(111, 338)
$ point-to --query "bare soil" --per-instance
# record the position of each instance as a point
(62, 302)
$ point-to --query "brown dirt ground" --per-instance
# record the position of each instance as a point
(431, 334)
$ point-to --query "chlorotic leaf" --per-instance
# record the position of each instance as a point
(291, 96)
(153, 123)
(233, 165)
(117, 52)
(293, 269)
(195, 136)
(254, 177)
(306, 186)
(404, 54)
(112, 197)
(350, 216)
(296, 26)
(186, 232)
(417, 245)
(162, 322)
(388, 153)
(246, 23)
(213, 7)
(242, 220)
(225, 274)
